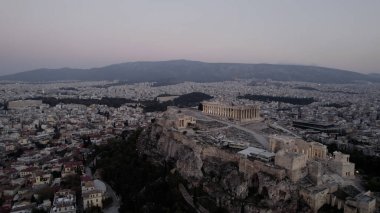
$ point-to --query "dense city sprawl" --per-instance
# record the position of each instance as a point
(49, 130)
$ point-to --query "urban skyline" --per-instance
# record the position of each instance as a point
(86, 34)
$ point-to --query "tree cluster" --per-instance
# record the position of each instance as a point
(188, 100)
(142, 186)
(338, 105)
(307, 88)
(111, 102)
(69, 88)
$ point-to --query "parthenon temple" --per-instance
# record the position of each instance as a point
(241, 113)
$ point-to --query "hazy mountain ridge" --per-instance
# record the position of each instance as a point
(184, 70)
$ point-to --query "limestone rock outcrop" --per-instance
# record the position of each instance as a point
(229, 181)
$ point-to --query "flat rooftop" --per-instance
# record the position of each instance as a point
(253, 151)
(364, 198)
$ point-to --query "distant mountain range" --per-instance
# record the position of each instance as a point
(176, 71)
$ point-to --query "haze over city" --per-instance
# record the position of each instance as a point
(205, 106)
(85, 34)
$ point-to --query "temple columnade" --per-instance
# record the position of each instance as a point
(251, 112)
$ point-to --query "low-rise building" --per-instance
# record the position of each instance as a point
(23, 207)
(72, 167)
(42, 179)
(92, 198)
(28, 171)
(64, 202)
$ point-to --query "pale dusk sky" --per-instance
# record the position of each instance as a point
(341, 34)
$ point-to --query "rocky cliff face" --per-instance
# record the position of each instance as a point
(219, 178)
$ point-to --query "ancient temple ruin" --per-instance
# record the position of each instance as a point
(240, 113)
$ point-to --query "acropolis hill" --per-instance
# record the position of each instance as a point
(243, 164)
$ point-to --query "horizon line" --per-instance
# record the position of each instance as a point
(190, 60)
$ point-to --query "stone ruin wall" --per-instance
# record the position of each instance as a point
(250, 168)
(191, 157)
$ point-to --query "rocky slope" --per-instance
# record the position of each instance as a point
(219, 178)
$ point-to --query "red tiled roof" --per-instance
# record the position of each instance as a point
(85, 178)
(29, 169)
(73, 163)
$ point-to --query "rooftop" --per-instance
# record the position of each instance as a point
(364, 198)
(347, 191)
(253, 151)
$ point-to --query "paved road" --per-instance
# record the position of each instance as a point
(278, 126)
(259, 138)
(114, 207)
(189, 199)
(88, 171)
